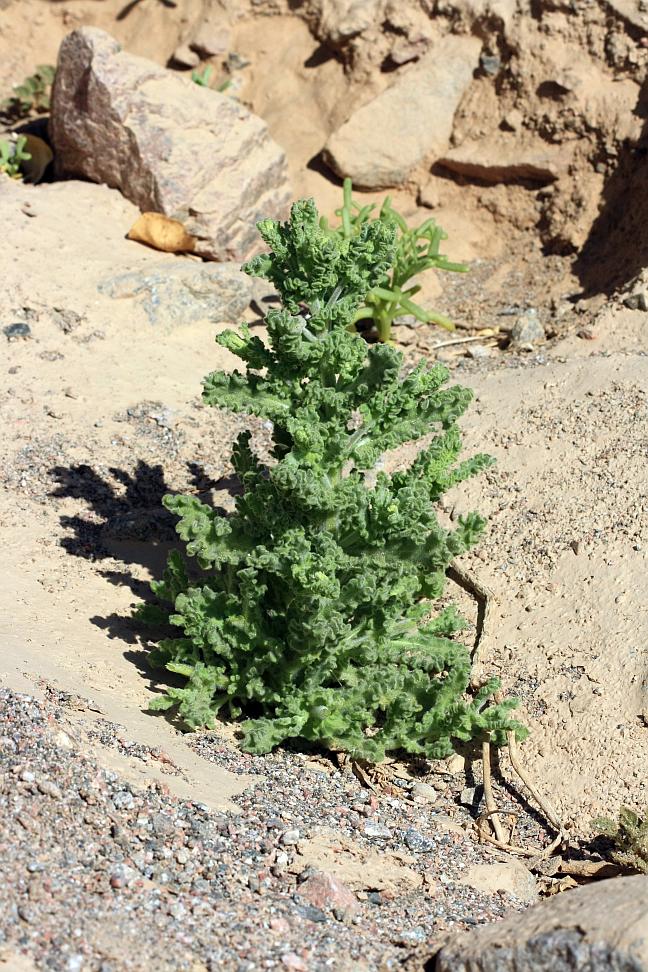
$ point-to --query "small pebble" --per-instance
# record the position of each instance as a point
(50, 789)
(290, 837)
(490, 64)
(424, 792)
(123, 800)
(15, 332)
(468, 795)
(376, 831)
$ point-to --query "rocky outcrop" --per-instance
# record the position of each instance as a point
(603, 926)
(409, 122)
(168, 145)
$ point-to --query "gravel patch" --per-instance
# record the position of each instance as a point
(97, 874)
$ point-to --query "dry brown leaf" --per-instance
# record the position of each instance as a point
(162, 233)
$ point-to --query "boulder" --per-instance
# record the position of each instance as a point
(408, 123)
(169, 145)
(602, 926)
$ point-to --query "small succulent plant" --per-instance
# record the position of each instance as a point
(12, 155)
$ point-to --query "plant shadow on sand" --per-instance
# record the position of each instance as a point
(124, 520)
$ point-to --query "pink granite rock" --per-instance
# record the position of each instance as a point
(169, 145)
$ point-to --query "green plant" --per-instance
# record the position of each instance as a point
(417, 250)
(630, 837)
(202, 78)
(309, 610)
(32, 96)
(12, 155)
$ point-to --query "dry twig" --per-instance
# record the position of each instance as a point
(482, 594)
(464, 340)
(491, 808)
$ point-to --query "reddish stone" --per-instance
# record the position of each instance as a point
(328, 893)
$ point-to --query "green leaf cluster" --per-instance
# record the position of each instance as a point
(202, 78)
(629, 835)
(32, 97)
(308, 612)
(416, 250)
(12, 155)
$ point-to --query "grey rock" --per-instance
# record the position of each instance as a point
(490, 64)
(418, 842)
(162, 825)
(527, 329)
(468, 796)
(376, 830)
(15, 331)
(169, 145)
(417, 111)
(602, 926)
(638, 300)
(410, 937)
(173, 293)
(290, 837)
(424, 792)
(123, 800)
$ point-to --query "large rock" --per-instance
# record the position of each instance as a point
(168, 144)
(603, 926)
(409, 122)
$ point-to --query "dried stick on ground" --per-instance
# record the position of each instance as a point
(464, 340)
(491, 809)
(482, 594)
(488, 794)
